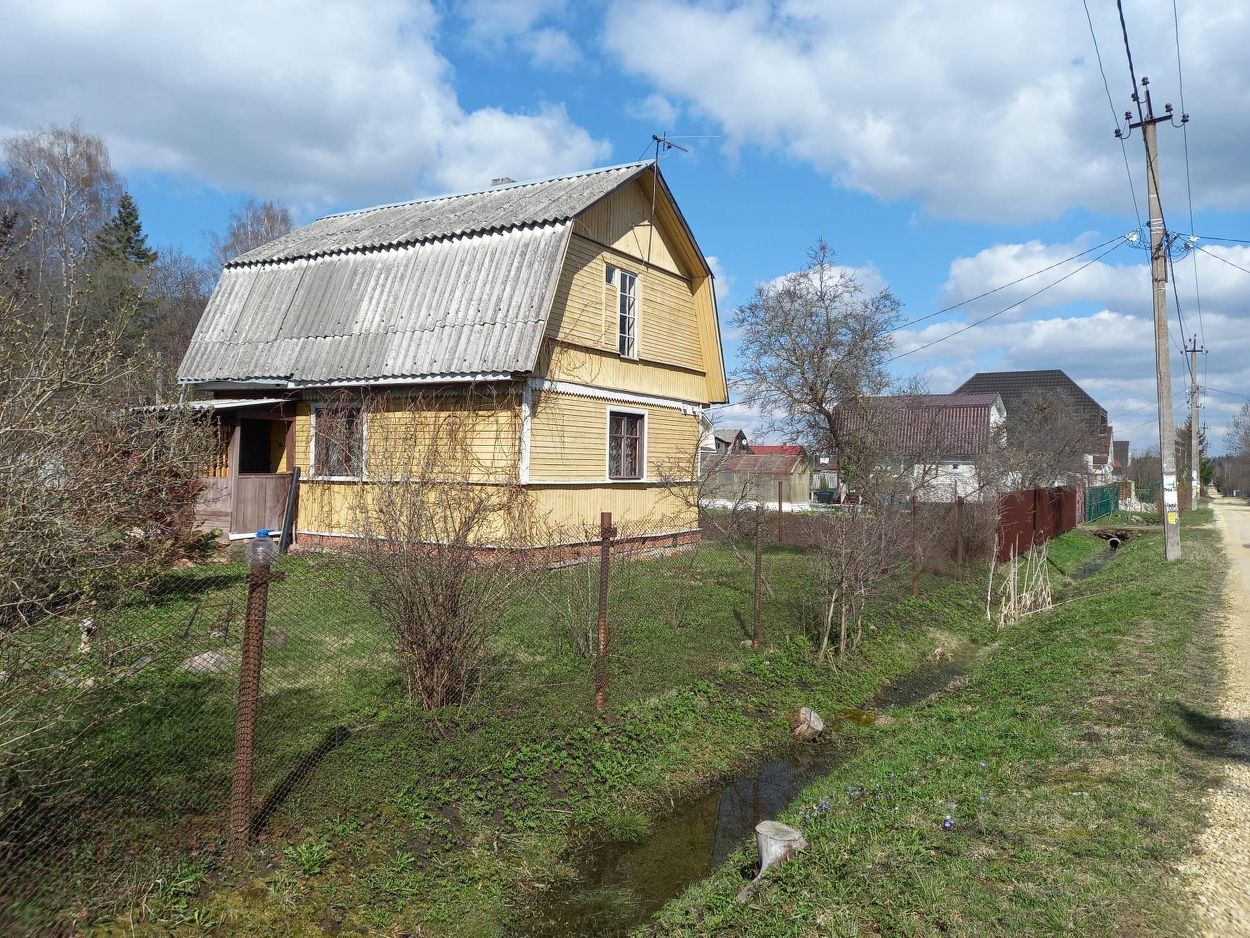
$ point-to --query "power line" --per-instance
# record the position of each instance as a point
(1189, 189)
(1005, 309)
(979, 296)
(1213, 238)
(1222, 260)
(1114, 115)
(1132, 73)
(1230, 393)
(1176, 297)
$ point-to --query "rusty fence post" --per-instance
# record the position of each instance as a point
(915, 545)
(757, 622)
(606, 532)
(781, 515)
(959, 537)
(261, 553)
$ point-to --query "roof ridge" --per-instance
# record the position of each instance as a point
(448, 196)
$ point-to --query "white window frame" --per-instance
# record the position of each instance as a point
(312, 442)
(613, 278)
(642, 444)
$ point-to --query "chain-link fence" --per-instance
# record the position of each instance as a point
(129, 731)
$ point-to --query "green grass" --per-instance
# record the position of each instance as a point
(1073, 764)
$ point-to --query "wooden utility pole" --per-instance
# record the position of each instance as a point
(1170, 507)
(1195, 445)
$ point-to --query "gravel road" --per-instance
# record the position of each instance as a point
(1218, 877)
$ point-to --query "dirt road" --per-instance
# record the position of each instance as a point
(1219, 876)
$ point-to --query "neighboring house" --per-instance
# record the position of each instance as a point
(1122, 451)
(582, 302)
(729, 440)
(760, 477)
(937, 440)
(1014, 387)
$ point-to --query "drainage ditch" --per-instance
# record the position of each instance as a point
(620, 886)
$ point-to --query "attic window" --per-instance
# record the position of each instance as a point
(622, 291)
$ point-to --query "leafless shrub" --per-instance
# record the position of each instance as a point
(856, 554)
(445, 530)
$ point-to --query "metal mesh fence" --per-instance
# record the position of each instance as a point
(123, 746)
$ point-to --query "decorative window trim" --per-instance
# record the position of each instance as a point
(312, 441)
(642, 444)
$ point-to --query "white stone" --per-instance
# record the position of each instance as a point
(208, 662)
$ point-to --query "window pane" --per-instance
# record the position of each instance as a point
(339, 433)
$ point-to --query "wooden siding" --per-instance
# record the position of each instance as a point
(623, 221)
(597, 368)
(569, 439)
(637, 509)
(584, 311)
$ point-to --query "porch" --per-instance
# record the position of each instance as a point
(248, 484)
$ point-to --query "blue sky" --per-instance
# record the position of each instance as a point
(943, 148)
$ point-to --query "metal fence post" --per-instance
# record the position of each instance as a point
(959, 537)
(915, 545)
(261, 552)
(781, 515)
(606, 531)
(757, 625)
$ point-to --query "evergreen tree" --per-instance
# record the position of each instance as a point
(123, 238)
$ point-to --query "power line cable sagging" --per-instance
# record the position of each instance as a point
(972, 325)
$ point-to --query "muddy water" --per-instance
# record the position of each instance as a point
(621, 886)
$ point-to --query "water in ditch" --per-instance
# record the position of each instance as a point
(622, 885)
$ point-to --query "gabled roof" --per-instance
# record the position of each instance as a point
(924, 425)
(539, 202)
(450, 289)
(1122, 449)
(782, 449)
(773, 464)
(728, 434)
(1014, 385)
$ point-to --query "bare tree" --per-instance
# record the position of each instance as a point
(251, 225)
(446, 531)
(1046, 441)
(1237, 444)
(60, 183)
(811, 340)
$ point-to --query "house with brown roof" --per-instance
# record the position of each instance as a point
(1017, 387)
(935, 442)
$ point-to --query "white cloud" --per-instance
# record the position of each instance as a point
(1109, 351)
(721, 278)
(315, 102)
(496, 26)
(979, 109)
(655, 108)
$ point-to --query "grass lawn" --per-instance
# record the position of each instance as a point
(377, 815)
(1072, 765)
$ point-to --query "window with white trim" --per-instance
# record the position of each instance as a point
(625, 445)
(622, 289)
(338, 441)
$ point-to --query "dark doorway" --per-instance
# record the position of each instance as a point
(255, 446)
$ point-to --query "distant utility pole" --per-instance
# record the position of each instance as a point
(1195, 446)
(1159, 280)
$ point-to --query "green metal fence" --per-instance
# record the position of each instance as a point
(1100, 501)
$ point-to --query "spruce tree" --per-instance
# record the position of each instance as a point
(123, 238)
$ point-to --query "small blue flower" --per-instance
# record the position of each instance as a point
(948, 823)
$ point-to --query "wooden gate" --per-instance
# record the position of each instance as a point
(259, 501)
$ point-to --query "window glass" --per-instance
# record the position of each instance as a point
(624, 446)
(339, 432)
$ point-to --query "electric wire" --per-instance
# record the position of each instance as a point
(980, 296)
(1189, 188)
(1222, 260)
(1005, 309)
(1114, 115)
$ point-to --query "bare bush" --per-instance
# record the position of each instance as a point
(857, 553)
(446, 532)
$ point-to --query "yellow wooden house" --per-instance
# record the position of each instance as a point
(580, 304)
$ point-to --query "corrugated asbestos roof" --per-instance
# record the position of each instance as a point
(453, 288)
(510, 206)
